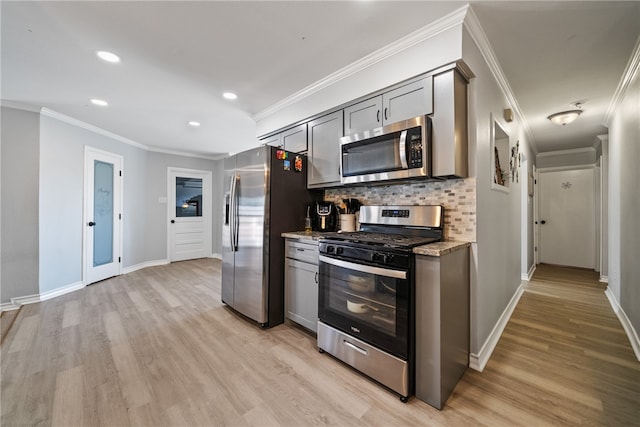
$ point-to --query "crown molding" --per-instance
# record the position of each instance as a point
(91, 128)
(472, 24)
(566, 152)
(630, 72)
(19, 106)
(428, 31)
(79, 123)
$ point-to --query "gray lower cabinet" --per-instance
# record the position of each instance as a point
(301, 282)
(324, 135)
(442, 324)
(404, 102)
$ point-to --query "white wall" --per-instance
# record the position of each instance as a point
(156, 218)
(497, 251)
(19, 195)
(43, 176)
(624, 203)
(61, 200)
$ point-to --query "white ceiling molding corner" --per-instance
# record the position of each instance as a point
(19, 106)
(428, 31)
(186, 154)
(79, 123)
(630, 72)
(91, 128)
(472, 24)
(566, 152)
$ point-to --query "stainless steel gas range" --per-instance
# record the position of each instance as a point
(366, 303)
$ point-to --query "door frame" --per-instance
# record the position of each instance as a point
(207, 182)
(597, 192)
(119, 198)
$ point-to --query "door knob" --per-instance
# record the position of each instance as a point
(543, 222)
(173, 221)
(91, 224)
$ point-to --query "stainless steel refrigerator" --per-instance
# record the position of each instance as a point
(265, 195)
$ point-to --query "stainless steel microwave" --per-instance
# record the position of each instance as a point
(396, 151)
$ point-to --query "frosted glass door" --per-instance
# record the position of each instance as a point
(102, 213)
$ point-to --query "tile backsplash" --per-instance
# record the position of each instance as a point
(457, 196)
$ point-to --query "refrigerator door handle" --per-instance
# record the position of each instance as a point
(234, 213)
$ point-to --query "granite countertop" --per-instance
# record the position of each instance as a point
(303, 235)
(432, 249)
(440, 248)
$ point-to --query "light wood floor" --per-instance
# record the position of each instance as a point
(157, 347)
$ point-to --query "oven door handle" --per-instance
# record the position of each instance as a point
(397, 274)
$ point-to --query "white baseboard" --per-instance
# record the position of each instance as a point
(8, 306)
(604, 279)
(626, 323)
(30, 299)
(479, 361)
(216, 255)
(146, 264)
(527, 277)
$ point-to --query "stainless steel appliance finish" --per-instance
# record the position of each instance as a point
(406, 216)
(367, 291)
(262, 200)
(379, 365)
(397, 151)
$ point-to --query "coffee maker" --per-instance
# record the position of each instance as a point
(324, 216)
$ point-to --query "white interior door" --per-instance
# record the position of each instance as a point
(102, 215)
(189, 202)
(566, 221)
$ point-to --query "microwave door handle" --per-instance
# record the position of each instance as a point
(364, 268)
(403, 149)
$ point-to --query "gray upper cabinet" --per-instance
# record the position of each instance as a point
(324, 149)
(273, 140)
(364, 115)
(295, 139)
(404, 102)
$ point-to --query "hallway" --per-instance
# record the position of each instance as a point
(564, 357)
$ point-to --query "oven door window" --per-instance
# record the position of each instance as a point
(367, 302)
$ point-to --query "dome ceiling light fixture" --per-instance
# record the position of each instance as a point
(565, 117)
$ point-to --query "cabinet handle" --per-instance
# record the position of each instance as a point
(378, 116)
(385, 113)
(316, 277)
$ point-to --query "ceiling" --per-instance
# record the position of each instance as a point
(179, 57)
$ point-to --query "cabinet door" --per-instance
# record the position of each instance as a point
(301, 283)
(295, 139)
(324, 150)
(363, 116)
(273, 140)
(414, 99)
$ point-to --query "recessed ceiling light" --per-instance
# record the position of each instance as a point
(230, 95)
(108, 56)
(100, 102)
(194, 123)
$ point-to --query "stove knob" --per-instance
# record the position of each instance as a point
(330, 249)
(339, 251)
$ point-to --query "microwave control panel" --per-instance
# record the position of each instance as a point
(414, 148)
